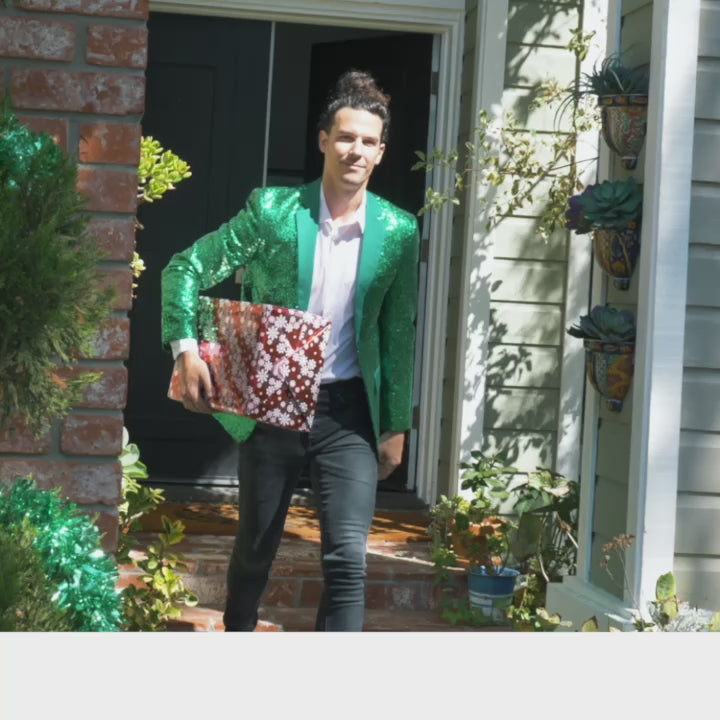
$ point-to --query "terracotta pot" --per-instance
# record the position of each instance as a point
(616, 251)
(624, 124)
(472, 545)
(609, 370)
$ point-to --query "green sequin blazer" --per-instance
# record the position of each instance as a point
(274, 236)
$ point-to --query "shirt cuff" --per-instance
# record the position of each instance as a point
(181, 346)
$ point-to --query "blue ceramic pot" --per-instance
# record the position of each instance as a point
(492, 594)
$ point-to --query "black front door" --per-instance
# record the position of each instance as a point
(207, 85)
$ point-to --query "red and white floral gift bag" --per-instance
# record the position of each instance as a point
(265, 361)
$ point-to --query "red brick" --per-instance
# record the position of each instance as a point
(109, 190)
(311, 592)
(108, 393)
(121, 279)
(23, 441)
(108, 524)
(114, 143)
(281, 593)
(113, 340)
(70, 6)
(73, 91)
(116, 238)
(56, 128)
(82, 483)
(117, 46)
(92, 434)
(107, 8)
(36, 39)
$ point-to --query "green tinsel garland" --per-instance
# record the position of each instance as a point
(80, 575)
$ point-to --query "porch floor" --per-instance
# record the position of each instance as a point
(400, 594)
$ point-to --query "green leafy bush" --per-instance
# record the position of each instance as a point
(26, 602)
(50, 306)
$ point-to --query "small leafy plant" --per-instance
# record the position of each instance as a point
(149, 607)
(519, 166)
(159, 171)
(609, 204)
(523, 519)
(607, 324)
(666, 613)
(615, 77)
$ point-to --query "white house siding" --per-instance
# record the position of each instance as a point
(528, 275)
(614, 428)
(697, 542)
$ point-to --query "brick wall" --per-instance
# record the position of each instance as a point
(75, 69)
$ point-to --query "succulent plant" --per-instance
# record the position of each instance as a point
(614, 77)
(609, 204)
(607, 324)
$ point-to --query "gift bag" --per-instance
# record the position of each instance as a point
(265, 361)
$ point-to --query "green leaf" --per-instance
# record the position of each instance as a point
(665, 588)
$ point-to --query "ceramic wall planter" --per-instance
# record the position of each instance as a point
(609, 370)
(616, 251)
(492, 595)
(624, 124)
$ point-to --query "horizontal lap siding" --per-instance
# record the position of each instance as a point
(697, 541)
(529, 274)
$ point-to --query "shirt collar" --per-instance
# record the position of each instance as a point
(357, 217)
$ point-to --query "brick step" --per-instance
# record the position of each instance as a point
(400, 575)
(277, 619)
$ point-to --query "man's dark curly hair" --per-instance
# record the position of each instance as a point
(357, 90)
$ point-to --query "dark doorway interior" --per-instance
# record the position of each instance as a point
(207, 86)
(203, 105)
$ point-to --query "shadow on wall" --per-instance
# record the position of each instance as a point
(524, 354)
(537, 23)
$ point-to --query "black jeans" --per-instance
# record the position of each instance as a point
(340, 450)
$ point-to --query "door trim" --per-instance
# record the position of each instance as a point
(408, 16)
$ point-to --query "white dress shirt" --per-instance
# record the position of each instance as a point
(332, 295)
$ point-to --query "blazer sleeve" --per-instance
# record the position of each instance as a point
(205, 263)
(397, 338)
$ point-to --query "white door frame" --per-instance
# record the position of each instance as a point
(447, 22)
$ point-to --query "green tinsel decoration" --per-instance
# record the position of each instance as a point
(81, 577)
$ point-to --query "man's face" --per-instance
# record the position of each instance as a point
(352, 149)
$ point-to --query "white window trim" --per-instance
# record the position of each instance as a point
(447, 21)
(662, 290)
(471, 363)
(662, 293)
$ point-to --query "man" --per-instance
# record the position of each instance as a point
(335, 249)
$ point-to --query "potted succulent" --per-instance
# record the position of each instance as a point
(611, 211)
(622, 93)
(609, 338)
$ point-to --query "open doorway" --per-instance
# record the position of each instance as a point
(238, 99)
